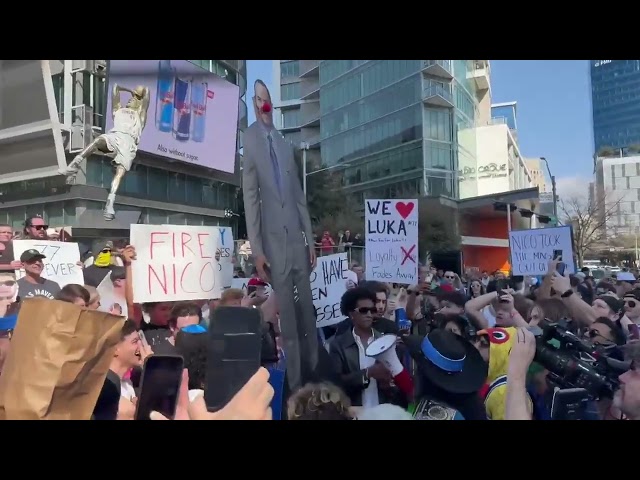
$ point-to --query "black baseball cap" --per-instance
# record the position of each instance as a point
(31, 255)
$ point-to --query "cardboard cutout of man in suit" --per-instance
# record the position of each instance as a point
(277, 217)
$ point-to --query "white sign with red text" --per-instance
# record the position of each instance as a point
(392, 241)
(175, 263)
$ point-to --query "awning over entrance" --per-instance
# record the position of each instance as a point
(95, 226)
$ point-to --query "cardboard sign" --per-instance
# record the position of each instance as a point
(531, 250)
(224, 254)
(392, 241)
(112, 299)
(60, 262)
(328, 283)
(176, 262)
(59, 357)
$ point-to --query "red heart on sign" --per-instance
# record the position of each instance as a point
(404, 209)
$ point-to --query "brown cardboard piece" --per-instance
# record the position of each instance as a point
(58, 360)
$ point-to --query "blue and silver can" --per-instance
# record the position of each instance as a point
(182, 110)
(199, 93)
(164, 97)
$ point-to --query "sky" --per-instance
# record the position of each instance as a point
(554, 113)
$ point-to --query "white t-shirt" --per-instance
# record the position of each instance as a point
(127, 390)
(369, 394)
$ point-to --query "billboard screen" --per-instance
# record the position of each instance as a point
(193, 114)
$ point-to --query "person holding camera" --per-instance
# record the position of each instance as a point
(626, 400)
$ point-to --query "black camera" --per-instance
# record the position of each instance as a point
(576, 363)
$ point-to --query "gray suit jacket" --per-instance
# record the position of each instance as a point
(274, 221)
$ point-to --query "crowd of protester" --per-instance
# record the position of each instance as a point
(464, 343)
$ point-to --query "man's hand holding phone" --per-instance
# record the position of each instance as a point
(252, 402)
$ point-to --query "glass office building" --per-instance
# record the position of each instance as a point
(615, 99)
(394, 125)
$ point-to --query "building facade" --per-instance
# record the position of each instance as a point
(537, 172)
(66, 110)
(615, 102)
(617, 190)
(500, 166)
(395, 128)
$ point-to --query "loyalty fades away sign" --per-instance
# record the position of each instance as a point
(531, 250)
(392, 241)
(176, 262)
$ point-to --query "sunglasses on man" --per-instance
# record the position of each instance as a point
(365, 310)
(38, 227)
(594, 333)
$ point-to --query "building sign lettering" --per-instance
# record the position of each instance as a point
(598, 63)
(491, 170)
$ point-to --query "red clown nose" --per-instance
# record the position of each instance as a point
(266, 107)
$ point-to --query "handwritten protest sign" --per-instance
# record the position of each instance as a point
(224, 254)
(60, 262)
(531, 250)
(392, 241)
(176, 262)
(112, 299)
(240, 283)
(328, 284)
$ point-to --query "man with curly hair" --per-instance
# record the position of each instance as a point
(319, 401)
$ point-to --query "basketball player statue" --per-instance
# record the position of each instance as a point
(277, 225)
(121, 142)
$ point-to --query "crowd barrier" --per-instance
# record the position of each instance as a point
(244, 261)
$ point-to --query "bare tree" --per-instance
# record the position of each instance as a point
(589, 218)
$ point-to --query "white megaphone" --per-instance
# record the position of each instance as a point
(383, 350)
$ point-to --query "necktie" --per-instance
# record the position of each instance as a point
(274, 163)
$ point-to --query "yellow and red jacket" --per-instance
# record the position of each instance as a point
(494, 392)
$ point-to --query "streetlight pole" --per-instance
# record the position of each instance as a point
(305, 147)
(553, 189)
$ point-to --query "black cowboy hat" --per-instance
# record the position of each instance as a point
(449, 361)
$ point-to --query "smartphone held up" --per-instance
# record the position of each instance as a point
(561, 266)
(159, 386)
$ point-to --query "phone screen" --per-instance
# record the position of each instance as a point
(251, 289)
(561, 267)
(569, 404)
(160, 385)
(557, 254)
(234, 352)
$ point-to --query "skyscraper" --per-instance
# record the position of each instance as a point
(615, 99)
(393, 126)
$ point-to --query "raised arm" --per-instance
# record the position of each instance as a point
(115, 99)
(146, 100)
(251, 195)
